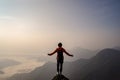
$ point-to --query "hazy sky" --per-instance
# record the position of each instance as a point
(32, 25)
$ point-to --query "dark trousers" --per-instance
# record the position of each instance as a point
(59, 66)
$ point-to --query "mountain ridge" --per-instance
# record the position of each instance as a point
(103, 66)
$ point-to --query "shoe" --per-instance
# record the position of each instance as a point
(57, 73)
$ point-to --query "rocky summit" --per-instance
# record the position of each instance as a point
(60, 77)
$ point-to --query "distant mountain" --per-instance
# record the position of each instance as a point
(7, 62)
(103, 66)
(118, 47)
(82, 53)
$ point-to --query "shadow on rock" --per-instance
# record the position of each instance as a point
(60, 77)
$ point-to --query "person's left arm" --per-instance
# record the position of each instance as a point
(67, 53)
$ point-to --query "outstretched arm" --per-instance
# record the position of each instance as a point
(52, 52)
(67, 53)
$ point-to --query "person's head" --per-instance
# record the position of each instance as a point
(60, 44)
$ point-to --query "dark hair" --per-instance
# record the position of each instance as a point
(60, 44)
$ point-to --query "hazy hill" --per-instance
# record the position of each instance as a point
(7, 62)
(103, 66)
(82, 53)
(117, 47)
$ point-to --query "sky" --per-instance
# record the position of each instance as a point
(38, 25)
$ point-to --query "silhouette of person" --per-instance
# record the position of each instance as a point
(60, 57)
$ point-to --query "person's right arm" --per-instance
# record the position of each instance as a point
(53, 52)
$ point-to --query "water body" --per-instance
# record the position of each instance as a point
(27, 65)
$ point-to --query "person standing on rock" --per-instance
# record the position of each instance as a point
(60, 58)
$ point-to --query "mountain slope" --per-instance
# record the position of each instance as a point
(47, 71)
(104, 66)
